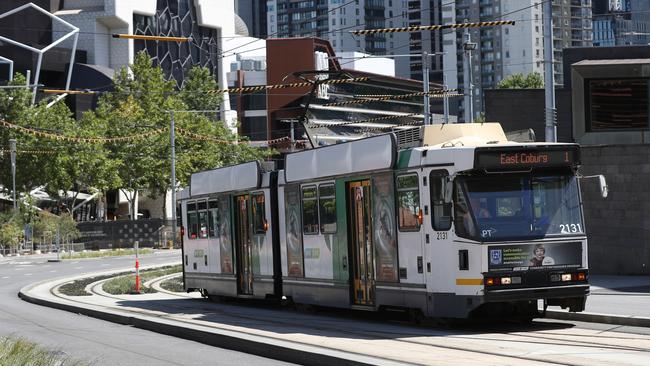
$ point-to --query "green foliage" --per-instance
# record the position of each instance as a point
(45, 226)
(140, 103)
(18, 351)
(11, 230)
(107, 253)
(68, 227)
(126, 284)
(519, 81)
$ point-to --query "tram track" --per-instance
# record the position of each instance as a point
(560, 340)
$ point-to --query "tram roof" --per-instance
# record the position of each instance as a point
(239, 177)
(359, 156)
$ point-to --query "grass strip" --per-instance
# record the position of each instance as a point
(105, 253)
(19, 352)
(125, 285)
(173, 284)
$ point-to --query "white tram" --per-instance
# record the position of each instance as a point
(467, 224)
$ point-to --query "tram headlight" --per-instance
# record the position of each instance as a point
(506, 280)
(566, 277)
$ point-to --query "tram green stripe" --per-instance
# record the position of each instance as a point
(403, 159)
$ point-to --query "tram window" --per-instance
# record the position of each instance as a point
(408, 198)
(309, 210)
(259, 213)
(192, 221)
(202, 208)
(327, 208)
(213, 218)
(441, 211)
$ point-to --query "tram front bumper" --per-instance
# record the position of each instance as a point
(547, 292)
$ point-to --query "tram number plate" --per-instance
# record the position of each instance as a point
(441, 235)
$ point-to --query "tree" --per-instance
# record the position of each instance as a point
(11, 230)
(58, 165)
(141, 103)
(519, 81)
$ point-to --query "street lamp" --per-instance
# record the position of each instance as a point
(468, 47)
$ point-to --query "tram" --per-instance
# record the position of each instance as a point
(466, 224)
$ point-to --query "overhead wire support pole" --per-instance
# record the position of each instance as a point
(425, 85)
(172, 140)
(549, 79)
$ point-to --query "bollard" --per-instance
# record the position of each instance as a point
(137, 269)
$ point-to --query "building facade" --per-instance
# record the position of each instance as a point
(334, 19)
(253, 14)
(502, 51)
(621, 22)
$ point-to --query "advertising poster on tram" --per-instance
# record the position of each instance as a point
(535, 256)
(384, 228)
(225, 241)
(294, 231)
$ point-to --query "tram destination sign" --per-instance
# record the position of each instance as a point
(526, 157)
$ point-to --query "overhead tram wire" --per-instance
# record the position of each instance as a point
(246, 89)
(223, 53)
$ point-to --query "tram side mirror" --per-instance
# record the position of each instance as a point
(602, 183)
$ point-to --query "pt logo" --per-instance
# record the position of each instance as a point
(495, 256)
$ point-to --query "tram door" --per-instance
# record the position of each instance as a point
(361, 245)
(244, 245)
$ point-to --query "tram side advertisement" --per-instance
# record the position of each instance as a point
(539, 256)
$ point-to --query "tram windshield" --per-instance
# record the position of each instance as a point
(512, 207)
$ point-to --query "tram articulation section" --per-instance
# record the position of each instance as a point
(467, 224)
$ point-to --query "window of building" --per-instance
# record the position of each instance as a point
(259, 213)
(213, 218)
(309, 210)
(327, 208)
(192, 221)
(408, 199)
(202, 208)
(617, 104)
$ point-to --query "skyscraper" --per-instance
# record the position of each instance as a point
(333, 20)
(502, 51)
(621, 22)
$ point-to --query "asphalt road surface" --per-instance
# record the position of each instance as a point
(92, 340)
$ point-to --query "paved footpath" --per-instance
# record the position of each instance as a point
(353, 339)
(622, 300)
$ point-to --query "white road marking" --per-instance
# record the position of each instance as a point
(81, 267)
(53, 271)
(105, 265)
(28, 274)
(5, 278)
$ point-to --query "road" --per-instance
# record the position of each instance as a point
(92, 340)
(544, 342)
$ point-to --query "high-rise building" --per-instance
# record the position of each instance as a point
(253, 13)
(504, 50)
(331, 20)
(334, 19)
(621, 22)
(572, 27)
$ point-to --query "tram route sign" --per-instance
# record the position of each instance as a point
(535, 256)
(526, 158)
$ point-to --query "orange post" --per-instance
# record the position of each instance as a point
(137, 276)
(137, 268)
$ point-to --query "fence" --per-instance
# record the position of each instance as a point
(153, 233)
